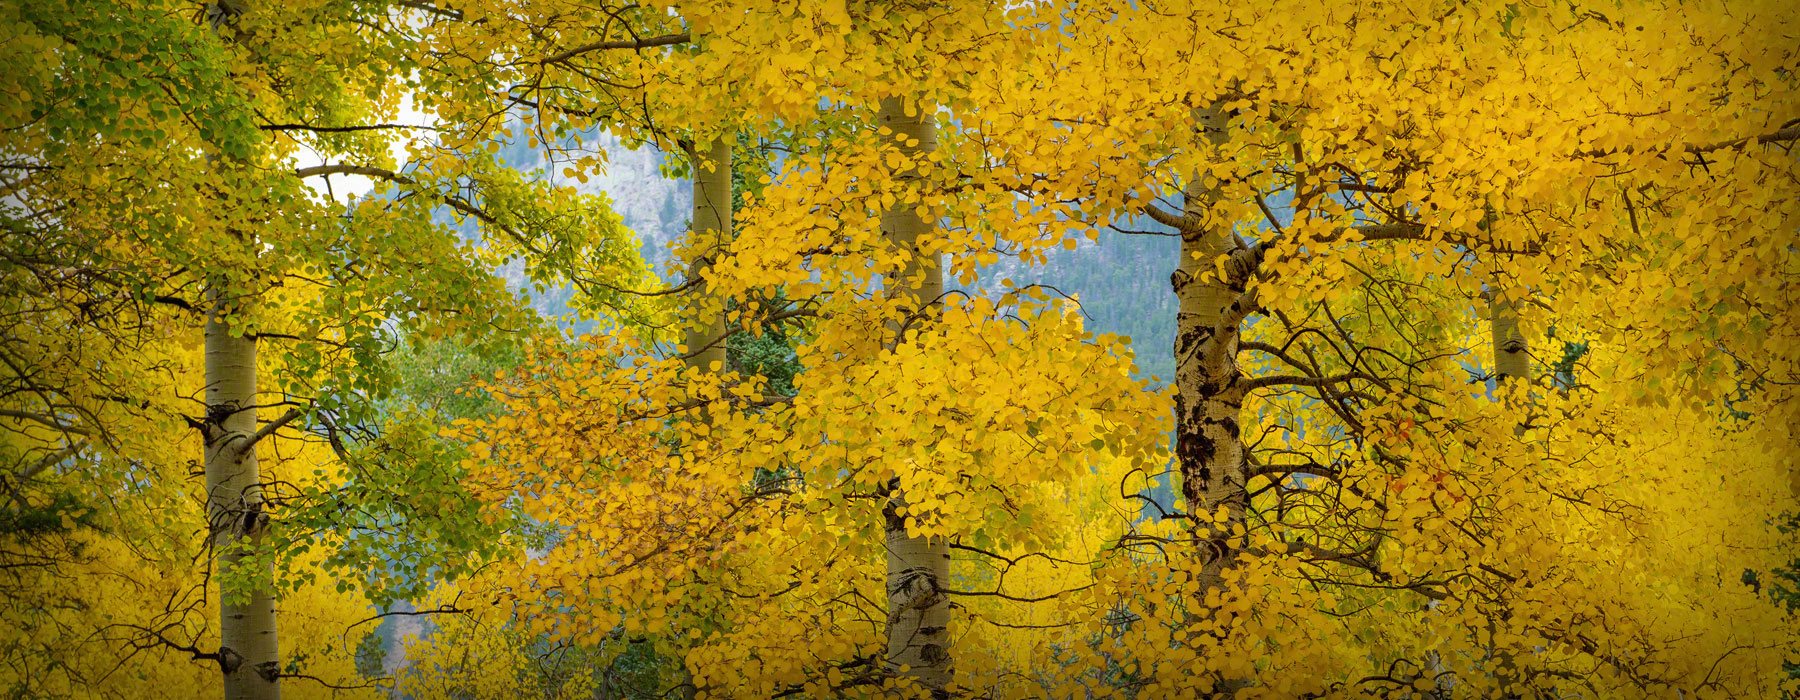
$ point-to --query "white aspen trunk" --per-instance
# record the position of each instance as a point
(1511, 362)
(712, 233)
(918, 625)
(1209, 396)
(248, 654)
(1209, 393)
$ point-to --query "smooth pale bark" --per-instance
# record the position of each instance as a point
(918, 625)
(712, 232)
(249, 657)
(248, 654)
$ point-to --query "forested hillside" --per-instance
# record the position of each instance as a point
(763, 349)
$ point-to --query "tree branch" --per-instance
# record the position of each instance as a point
(453, 201)
(340, 129)
(633, 44)
(1779, 136)
(47, 460)
(51, 421)
(1179, 222)
(268, 430)
(1291, 380)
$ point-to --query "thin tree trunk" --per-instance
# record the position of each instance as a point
(1511, 362)
(712, 232)
(918, 625)
(1510, 356)
(703, 318)
(248, 654)
(1209, 386)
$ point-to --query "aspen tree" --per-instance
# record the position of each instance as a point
(161, 147)
(1512, 359)
(1388, 514)
(1511, 369)
(1208, 395)
(249, 649)
(248, 653)
(918, 624)
(704, 317)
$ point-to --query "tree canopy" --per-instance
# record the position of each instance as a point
(1482, 386)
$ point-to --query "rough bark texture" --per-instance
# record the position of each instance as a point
(234, 507)
(918, 631)
(1209, 391)
(712, 232)
(1209, 388)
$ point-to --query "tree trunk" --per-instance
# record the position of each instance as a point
(712, 232)
(1510, 356)
(1209, 393)
(1209, 390)
(1511, 362)
(703, 318)
(234, 507)
(918, 625)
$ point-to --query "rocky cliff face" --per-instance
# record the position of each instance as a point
(1122, 283)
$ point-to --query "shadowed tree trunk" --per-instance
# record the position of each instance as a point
(703, 318)
(1512, 362)
(918, 625)
(712, 232)
(248, 654)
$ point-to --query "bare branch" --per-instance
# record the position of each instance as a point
(1178, 222)
(341, 129)
(430, 8)
(1791, 133)
(1291, 380)
(268, 430)
(47, 460)
(51, 421)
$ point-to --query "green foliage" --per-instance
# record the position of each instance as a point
(1563, 368)
(438, 376)
(108, 55)
(1783, 585)
(402, 510)
(62, 515)
(371, 655)
(769, 355)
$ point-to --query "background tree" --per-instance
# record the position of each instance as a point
(160, 147)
